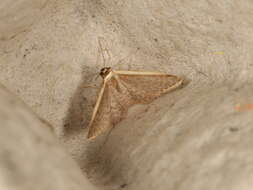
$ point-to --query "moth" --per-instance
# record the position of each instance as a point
(122, 89)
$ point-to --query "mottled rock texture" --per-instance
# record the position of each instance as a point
(30, 155)
(194, 138)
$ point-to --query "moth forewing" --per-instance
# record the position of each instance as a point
(178, 80)
(138, 73)
(100, 95)
(176, 85)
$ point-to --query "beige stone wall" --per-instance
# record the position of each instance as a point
(194, 138)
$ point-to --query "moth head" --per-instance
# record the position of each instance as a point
(105, 71)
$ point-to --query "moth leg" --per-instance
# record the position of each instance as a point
(90, 86)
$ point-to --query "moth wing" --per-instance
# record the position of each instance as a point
(147, 86)
(101, 114)
(111, 106)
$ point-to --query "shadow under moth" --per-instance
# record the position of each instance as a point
(122, 89)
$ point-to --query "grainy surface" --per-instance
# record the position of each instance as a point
(30, 155)
(193, 138)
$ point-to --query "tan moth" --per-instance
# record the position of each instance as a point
(122, 89)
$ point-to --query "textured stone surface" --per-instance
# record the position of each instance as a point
(30, 155)
(193, 138)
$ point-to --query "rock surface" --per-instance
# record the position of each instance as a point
(30, 155)
(194, 138)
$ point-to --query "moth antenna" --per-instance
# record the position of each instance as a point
(109, 56)
(103, 50)
(102, 53)
(130, 56)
